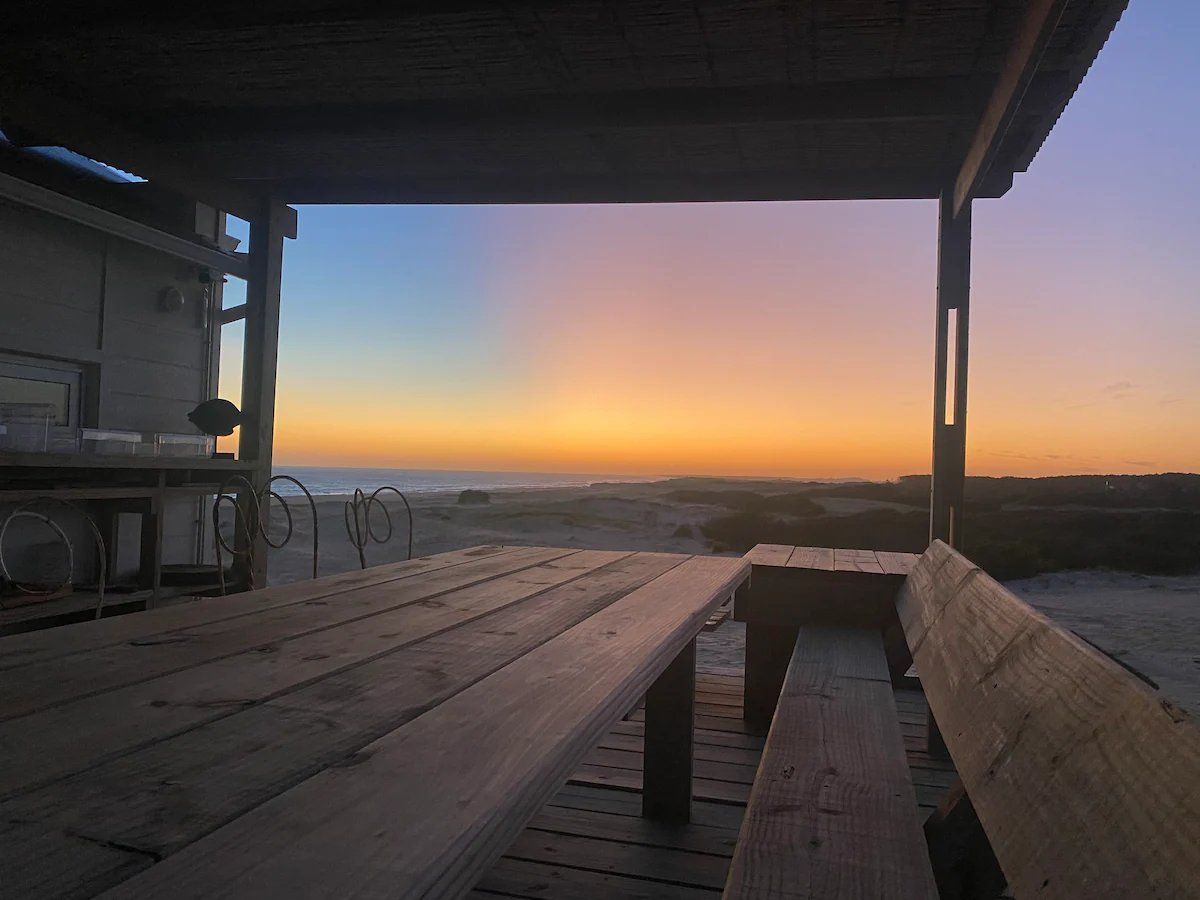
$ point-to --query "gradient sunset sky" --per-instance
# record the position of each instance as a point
(774, 339)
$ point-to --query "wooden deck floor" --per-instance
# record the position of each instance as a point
(590, 840)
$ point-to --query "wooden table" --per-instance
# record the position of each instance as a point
(810, 586)
(383, 732)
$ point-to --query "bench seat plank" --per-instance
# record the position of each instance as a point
(832, 810)
(426, 809)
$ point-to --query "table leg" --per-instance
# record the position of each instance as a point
(670, 718)
(768, 650)
(935, 744)
(150, 568)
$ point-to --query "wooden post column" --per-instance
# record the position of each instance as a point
(259, 359)
(670, 720)
(950, 390)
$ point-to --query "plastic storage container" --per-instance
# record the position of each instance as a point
(184, 444)
(110, 442)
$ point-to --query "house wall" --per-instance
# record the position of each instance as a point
(70, 293)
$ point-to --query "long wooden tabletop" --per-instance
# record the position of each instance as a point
(383, 732)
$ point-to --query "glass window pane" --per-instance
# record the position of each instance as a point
(27, 400)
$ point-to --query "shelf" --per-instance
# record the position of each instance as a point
(150, 463)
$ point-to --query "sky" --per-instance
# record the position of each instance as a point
(791, 339)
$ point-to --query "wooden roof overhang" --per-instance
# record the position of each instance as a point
(579, 101)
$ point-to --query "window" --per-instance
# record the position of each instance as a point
(45, 393)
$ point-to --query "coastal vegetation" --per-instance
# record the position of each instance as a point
(1016, 527)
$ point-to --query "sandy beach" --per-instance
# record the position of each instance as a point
(1151, 623)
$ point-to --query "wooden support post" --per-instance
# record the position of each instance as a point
(259, 359)
(150, 558)
(670, 716)
(768, 650)
(959, 851)
(950, 412)
(935, 744)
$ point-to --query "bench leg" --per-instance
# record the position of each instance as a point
(667, 771)
(935, 744)
(768, 651)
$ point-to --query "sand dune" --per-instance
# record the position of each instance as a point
(1150, 623)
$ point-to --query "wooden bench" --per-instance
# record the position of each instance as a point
(832, 812)
(1077, 776)
(1085, 780)
(811, 586)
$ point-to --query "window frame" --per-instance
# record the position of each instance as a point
(31, 368)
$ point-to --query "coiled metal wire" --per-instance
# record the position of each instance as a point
(25, 511)
(256, 501)
(357, 516)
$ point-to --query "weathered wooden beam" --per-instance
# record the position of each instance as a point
(1040, 20)
(260, 357)
(232, 314)
(668, 744)
(632, 187)
(1086, 781)
(31, 19)
(875, 100)
(37, 197)
(948, 481)
(83, 129)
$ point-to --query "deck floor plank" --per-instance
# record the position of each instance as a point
(609, 809)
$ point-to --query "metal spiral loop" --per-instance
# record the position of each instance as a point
(357, 516)
(24, 511)
(256, 501)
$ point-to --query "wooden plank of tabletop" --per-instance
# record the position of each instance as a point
(172, 793)
(856, 561)
(426, 809)
(832, 811)
(42, 685)
(22, 649)
(896, 563)
(68, 738)
(812, 558)
(1028, 710)
(769, 554)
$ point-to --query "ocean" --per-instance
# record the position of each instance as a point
(323, 480)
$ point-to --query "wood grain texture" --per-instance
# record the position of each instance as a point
(812, 558)
(156, 801)
(856, 561)
(24, 649)
(1028, 710)
(425, 810)
(831, 813)
(896, 563)
(42, 685)
(63, 739)
(769, 554)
